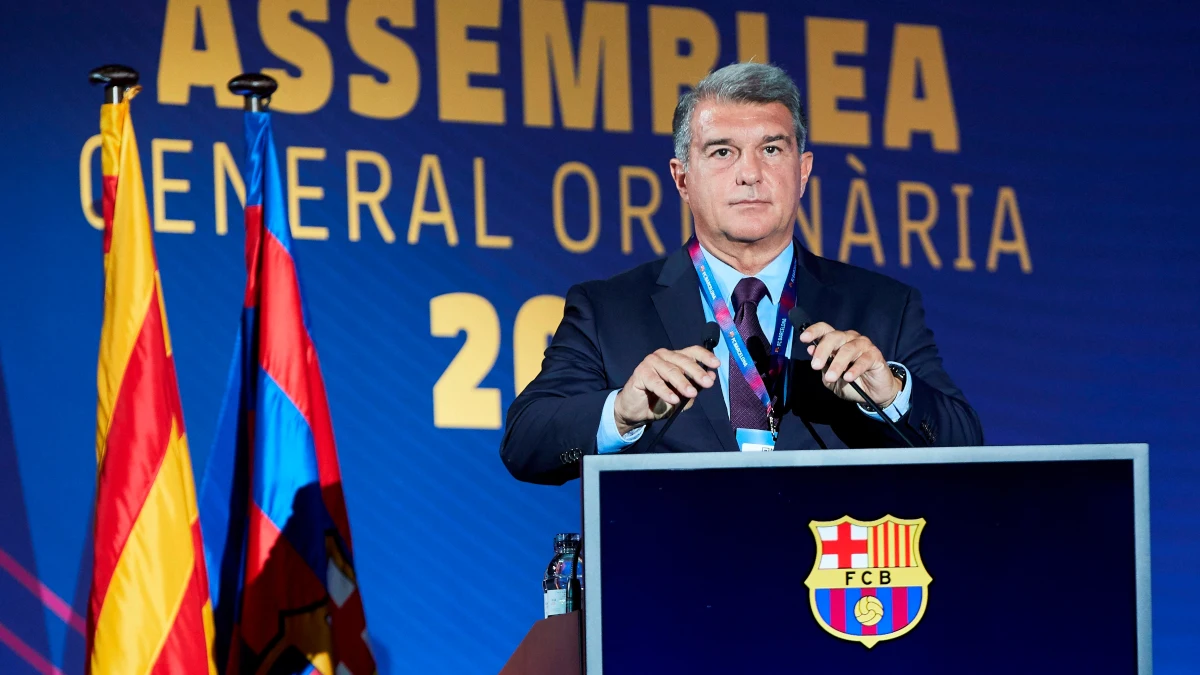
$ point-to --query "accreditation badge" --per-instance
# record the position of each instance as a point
(755, 440)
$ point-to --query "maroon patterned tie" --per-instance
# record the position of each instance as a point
(746, 410)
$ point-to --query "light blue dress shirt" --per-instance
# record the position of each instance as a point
(774, 276)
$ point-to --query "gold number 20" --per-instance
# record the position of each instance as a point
(458, 400)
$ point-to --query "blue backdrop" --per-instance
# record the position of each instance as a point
(455, 166)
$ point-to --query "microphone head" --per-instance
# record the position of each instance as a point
(712, 335)
(800, 321)
(758, 354)
(800, 318)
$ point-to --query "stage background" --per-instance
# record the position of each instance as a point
(1059, 145)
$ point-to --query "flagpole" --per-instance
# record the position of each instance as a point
(117, 79)
(256, 89)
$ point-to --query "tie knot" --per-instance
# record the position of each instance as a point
(750, 289)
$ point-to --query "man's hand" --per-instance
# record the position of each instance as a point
(660, 382)
(846, 356)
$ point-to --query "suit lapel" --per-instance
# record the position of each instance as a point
(679, 307)
(818, 298)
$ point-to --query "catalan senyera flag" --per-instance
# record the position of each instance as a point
(277, 536)
(149, 609)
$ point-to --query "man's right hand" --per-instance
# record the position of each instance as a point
(660, 382)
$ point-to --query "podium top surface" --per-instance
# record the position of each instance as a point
(1137, 452)
(983, 559)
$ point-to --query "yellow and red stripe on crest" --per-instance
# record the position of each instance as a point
(149, 609)
(889, 544)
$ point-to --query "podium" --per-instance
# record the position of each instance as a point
(1032, 559)
(550, 648)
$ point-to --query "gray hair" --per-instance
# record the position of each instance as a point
(739, 83)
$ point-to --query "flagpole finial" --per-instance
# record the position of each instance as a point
(256, 88)
(116, 78)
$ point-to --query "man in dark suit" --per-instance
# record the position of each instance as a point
(627, 351)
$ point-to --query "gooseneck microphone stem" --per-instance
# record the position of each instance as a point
(666, 425)
(879, 411)
(801, 321)
(712, 335)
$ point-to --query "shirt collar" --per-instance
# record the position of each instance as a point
(774, 275)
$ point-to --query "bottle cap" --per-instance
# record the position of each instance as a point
(566, 540)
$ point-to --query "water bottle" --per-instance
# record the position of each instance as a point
(561, 594)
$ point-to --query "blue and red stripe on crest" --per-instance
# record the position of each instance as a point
(900, 606)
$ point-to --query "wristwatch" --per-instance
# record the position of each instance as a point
(900, 374)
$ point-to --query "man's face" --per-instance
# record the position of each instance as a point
(745, 175)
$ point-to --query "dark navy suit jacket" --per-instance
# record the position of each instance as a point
(610, 326)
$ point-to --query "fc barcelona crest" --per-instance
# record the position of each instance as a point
(868, 583)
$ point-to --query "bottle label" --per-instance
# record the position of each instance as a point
(555, 602)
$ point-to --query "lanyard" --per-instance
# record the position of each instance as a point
(714, 295)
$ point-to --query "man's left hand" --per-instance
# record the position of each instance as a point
(847, 356)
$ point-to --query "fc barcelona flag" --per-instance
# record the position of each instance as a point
(148, 609)
(277, 536)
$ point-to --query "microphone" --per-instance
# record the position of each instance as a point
(801, 321)
(709, 340)
(712, 335)
(758, 354)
